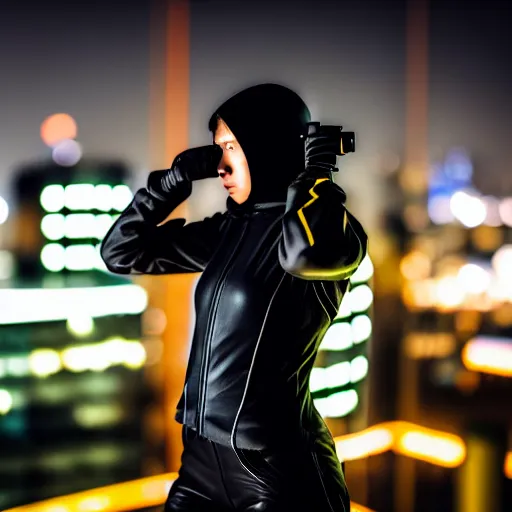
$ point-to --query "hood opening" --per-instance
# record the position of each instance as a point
(268, 121)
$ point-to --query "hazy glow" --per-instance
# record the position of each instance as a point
(121, 197)
(361, 328)
(448, 292)
(103, 198)
(79, 196)
(440, 449)
(80, 324)
(415, 266)
(338, 404)
(5, 401)
(52, 198)
(56, 128)
(358, 369)
(502, 263)
(337, 337)
(473, 278)
(339, 374)
(439, 210)
(44, 362)
(67, 153)
(55, 257)
(469, 210)
(489, 355)
(7, 264)
(360, 445)
(361, 298)
(364, 272)
(345, 309)
(45, 305)
(52, 257)
(505, 209)
(4, 210)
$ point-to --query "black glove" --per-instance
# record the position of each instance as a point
(190, 165)
(320, 152)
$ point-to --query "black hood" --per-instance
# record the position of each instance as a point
(268, 121)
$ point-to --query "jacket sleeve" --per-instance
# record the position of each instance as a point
(135, 244)
(321, 239)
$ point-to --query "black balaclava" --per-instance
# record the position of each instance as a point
(268, 121)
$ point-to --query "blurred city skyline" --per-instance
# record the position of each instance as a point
(347, 59)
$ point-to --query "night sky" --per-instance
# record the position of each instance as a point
(346, 58)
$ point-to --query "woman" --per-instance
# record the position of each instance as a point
(275, 267)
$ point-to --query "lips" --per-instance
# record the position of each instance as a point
(228, 186)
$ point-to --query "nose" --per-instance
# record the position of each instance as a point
(222, 167)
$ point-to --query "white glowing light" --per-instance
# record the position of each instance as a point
(473, 278)
(45, 305)
(358, 368)
(439, 210)
(5, 401)
(67, 153)
(121, 197)
(364, 272)
(361, 328)
(361, 298)
(79, 196)
(4, 210)
(505, 208)
(345, 310)
(338, 404)
(52, 257)
(469, 210)
(103, 198)
(52, 198)
(103, 222)
(53, 226)
(337, 337)
(492, 217)
(502, 263)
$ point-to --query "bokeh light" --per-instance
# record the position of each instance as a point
(4, 210)
(67, 153)
(58, 127)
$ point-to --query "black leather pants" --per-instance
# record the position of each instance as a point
(213, 478)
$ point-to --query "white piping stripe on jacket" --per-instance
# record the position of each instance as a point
(233, 443)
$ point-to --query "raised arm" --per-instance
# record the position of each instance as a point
(321, 239)
(136, 244)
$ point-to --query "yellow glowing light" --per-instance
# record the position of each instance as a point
(508, 465)
(488, 355)
(440, 449)
(44, 362)
(5, 401)
(144, 493)
(449, 294)
(415, 266)
(360, 445)
(404, 438)
(80, 324)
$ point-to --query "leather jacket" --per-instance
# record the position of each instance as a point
(273, 277)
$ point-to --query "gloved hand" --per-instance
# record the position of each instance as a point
(190, 165)
(320, 152)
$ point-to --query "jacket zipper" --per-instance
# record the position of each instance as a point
(209, 334)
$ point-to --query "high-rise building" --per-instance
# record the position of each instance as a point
(72, 359)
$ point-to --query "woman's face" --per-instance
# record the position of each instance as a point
(233, 167)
